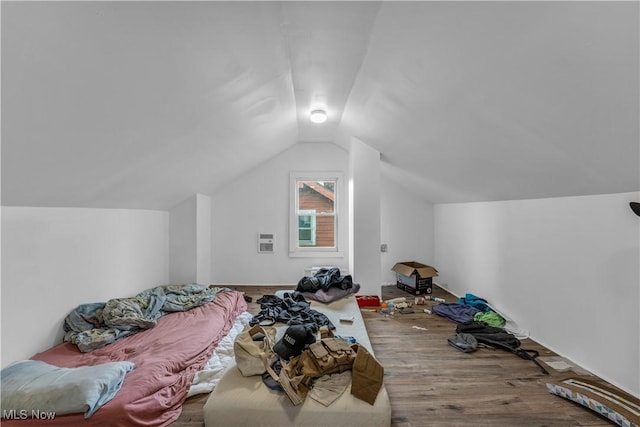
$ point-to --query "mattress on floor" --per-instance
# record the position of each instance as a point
(240, 401)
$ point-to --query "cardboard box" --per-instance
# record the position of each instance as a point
(413, 273)
(419, 290)
(414, 277)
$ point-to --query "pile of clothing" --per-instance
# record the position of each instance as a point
(470, 308)
(327, 285)
(292, 309)
(324, 279)
(323, 369)
(94, 325)
(480, 325)
(309, 360)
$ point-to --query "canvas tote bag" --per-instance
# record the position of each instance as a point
(253, 348)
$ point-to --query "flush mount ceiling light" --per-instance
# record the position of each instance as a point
(318, 116)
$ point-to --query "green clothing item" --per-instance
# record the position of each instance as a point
(491, 318)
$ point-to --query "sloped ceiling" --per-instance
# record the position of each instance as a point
(142, 104)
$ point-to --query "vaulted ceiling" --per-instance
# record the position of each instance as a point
(142, 104)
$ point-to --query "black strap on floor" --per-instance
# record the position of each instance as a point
(520, 352)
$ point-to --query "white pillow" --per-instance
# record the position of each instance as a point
(33, 386)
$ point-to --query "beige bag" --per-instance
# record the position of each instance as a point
(367, 376)
(253, 350)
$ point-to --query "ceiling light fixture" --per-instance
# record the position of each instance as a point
(318, 116)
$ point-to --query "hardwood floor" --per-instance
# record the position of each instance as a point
(432, 384)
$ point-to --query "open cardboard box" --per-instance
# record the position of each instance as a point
(414, 277)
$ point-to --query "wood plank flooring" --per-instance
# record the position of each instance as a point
(432, 384)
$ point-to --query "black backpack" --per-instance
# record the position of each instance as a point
(493, 337)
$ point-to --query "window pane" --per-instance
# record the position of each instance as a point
(314, 217)
(304, 221)
(325, 236)
(317, 195)
(306, 228)
(305, 238)
(315, 212)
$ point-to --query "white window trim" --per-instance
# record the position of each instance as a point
(339, 212)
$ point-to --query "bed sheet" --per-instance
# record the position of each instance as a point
(166, 357)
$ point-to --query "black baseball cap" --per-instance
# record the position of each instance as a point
(294, 340)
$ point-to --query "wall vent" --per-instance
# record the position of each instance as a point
(266, 243)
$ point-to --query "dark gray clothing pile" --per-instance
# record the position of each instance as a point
(293, 309)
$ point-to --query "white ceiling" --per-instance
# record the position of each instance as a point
(141, 105)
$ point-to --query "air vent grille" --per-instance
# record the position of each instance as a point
(266, 243)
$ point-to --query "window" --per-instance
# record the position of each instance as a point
(314, 214)
(306, 227)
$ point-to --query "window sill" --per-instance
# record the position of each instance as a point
(316, 254)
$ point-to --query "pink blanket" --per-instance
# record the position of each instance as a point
(167, 358)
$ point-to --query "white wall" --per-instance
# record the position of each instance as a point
(259, 202)
(182, 242)
(203, 239)
(566, 269)
(190, 241)
(406, 226)
(54, 259)
(364, 169)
